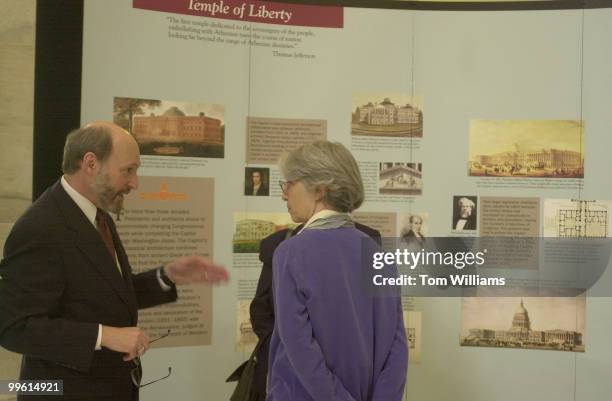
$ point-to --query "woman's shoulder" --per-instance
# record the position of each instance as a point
(315, 238)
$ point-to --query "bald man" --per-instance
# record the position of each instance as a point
(69, 301)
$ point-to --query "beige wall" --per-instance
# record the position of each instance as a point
(17, 44)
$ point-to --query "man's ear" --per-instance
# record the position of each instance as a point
(89, 163)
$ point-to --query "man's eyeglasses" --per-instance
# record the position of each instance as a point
(136, 372)
(285, 185)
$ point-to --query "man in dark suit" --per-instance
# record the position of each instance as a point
(69, 299)
(412, 235)
(262, 306)
(257, 185)
(465, 214)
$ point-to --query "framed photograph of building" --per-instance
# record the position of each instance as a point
(169, 128)
(251, 228)
(549, 323)
(387, 115)
(530, 148)
(400, 178)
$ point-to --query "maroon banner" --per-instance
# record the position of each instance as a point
(251, 10)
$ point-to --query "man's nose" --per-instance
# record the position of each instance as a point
(133, 183)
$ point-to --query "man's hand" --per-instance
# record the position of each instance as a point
(195, 269)
(131, 341)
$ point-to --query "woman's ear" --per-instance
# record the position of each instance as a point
(320, 192)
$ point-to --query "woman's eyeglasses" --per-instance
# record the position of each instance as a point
(136, 372)
(285, 185)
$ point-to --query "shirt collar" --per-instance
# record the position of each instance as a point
(319, 215)
(86, 206)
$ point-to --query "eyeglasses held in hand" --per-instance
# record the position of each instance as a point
(136, 372)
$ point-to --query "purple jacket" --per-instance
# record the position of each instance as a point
(332, 341)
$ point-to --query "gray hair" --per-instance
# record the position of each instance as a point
(329, 165)
(92, 138)
(414, 216)
(466, 202)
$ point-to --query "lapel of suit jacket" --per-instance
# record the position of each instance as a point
(122, 257)
(88, 240)
(293, 233)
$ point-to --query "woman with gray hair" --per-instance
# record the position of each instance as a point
(331, 340)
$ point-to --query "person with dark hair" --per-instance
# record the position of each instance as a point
(331, 339)
(69, 299)
(411, 234)
(257, 185)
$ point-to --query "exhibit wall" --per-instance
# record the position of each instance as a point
(17, 43)
(508, 110)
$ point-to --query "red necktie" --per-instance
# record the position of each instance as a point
(105, 232)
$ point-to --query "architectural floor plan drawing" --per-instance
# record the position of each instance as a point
(586, 219)
(577, 218)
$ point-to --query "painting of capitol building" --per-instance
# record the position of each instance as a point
(387, 118)
(503, 148)
(521, 331)
(251, 228)
(173, 128)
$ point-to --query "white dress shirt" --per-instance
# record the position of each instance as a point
(90, 210)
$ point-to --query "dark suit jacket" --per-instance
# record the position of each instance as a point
(58, 283)
(411, 238)
(470, 223)
(263, 190)
(262, 306)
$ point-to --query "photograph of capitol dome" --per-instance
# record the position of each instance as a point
(168, 128)
(549, 323)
